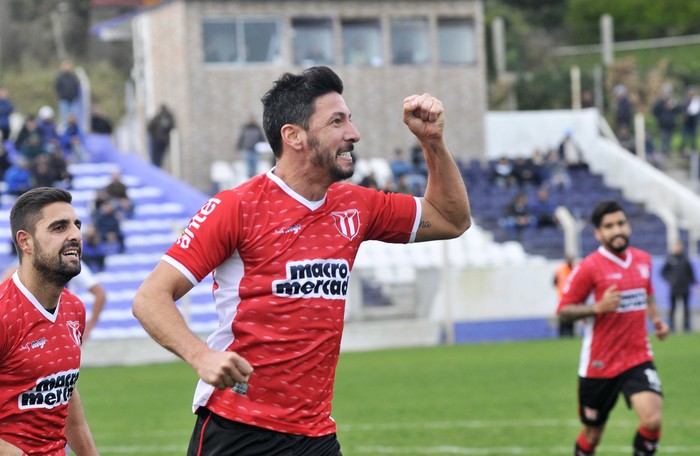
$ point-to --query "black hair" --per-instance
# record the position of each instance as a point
(291, 100)
(604, 208)
(27, 209)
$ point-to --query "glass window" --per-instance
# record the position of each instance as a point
(262, 42)
(410, 41)
(241, 40)
(219, 41)
(457, 41)
(362, 43)
(313, 41)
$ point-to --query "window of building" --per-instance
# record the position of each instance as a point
(241, 40)
(362, 42)
(410, 41)
(456, 41)
(313, 41)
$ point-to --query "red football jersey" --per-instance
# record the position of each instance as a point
(613, 342)
(281, 267)
(39, 366)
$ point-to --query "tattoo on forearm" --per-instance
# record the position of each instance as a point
(575, 312)
(425, 224)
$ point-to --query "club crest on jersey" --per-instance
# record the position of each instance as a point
(643, 270)
(347, 222)
(74, 329)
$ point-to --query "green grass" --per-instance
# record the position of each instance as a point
(484, 399)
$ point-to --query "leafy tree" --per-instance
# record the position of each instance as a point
(633, 19)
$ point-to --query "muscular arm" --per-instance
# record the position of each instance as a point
(445, 205)
(77, 430)
(609, 302)
(154, 306)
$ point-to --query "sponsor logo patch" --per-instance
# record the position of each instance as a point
(314, 279)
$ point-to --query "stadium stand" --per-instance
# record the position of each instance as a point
(163, 207)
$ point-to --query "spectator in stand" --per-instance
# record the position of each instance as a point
(418, 160)
(558, 171)
(251, 135)
(666, 110)
(543, 209)
(72, 140)
(570, 151)
(401, 185)
(6, 109)
(117, 191)
(159, 129)
(18, 177)
(502, 173)
(5, 161)
(93, 251)
(399, 165)
(67, 87)
(32, 146)
(624, 112)
(626, 140)
(518, 217)
(370, 181)
(42, 174)
(537, 163)
(524, 173)
(59, 165)
(28, 128)
(47, 127)
(691, 112)
(108, 224)
(679, 273)
(99, 124)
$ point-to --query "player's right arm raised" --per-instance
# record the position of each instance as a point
(154, 306)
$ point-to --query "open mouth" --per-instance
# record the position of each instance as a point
(72, 252)
(345, 155)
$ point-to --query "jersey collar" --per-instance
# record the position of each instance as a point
(313, 205)
(616, 259)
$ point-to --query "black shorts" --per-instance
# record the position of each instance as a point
(597, 396)
(217, 436)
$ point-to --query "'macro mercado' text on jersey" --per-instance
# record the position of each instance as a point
(39, 366)
(281, 266)
(616, 341)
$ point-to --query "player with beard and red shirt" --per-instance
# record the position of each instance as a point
(281, 247)
(41, 327)
(616, 356)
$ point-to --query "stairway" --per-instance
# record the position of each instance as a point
(163, 207)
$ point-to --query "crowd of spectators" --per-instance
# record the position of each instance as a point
(39, 155)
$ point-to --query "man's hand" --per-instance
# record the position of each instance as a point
(425, 117)
(609, 302)
(660, 328)
(223, 369)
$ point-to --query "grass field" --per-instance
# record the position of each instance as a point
(483, 399)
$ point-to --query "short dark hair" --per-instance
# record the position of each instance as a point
(604, 208)
(291, 100)
(27, 209)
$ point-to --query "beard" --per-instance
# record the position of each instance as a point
(52, 269)
(618, 248)
(322, 157)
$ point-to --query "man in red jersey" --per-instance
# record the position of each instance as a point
(281, 247)
(41, 327)
(616, 356)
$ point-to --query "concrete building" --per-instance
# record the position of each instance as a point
(211, 61)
